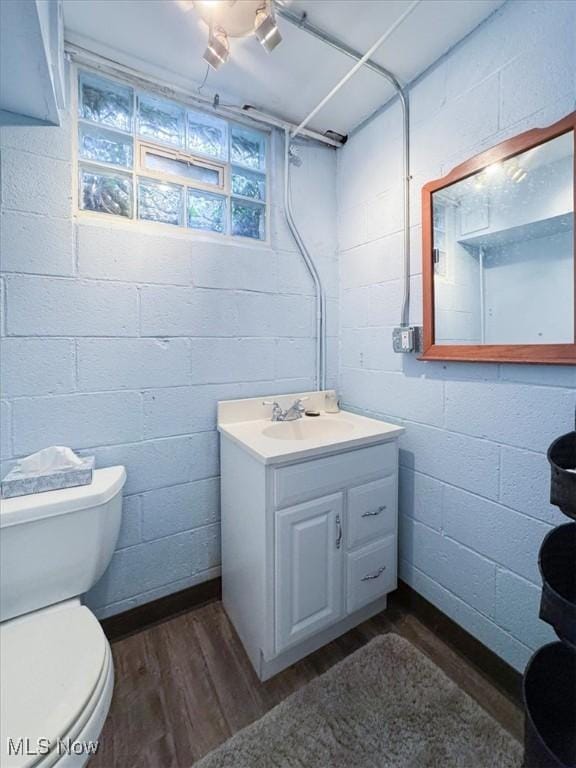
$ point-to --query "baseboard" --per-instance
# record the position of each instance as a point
(498, 671)
(500, 674)
(146, 615)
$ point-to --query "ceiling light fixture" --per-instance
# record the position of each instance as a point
(266, 27)
(236, 18)
(218, 51)
(494, 169)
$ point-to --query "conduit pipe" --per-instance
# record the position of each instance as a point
(361, 61)
(106, 66)
(302, 23)
(312, 269)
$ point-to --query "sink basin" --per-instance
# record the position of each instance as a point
(248, 424)
(319, 428)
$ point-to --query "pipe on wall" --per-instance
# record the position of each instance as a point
(106, 66)
(302, 23)
(312, 269)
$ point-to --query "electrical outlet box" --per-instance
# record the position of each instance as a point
(407, 338)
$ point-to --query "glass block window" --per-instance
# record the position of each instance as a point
(207, 135)
(151, 159)
(160, 202)
(161, 120)
(104, 146)
(105, 102)
(104, 192)
(248, 219)
(248, 184)
(248, 148)
(206, 211)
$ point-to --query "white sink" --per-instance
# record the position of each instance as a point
(309, 428)
(248, 423)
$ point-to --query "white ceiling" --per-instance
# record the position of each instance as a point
(166, 38)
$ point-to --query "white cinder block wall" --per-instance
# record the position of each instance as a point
(119, 338)
(474, 478)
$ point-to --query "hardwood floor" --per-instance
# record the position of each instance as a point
(185, 685)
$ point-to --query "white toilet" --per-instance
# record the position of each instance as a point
(56, 666)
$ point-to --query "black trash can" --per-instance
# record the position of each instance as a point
(562, 458)
(549, 690)
(557, 564)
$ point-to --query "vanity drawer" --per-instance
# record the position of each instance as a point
(371, 511)
(319, 477)
(371, 573)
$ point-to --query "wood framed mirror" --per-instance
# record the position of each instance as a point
(499, 266)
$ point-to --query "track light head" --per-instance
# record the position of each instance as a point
(266, 28)
(218, 50)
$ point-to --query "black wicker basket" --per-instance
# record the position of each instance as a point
(549, 691)
(562, 458)
(557, 564)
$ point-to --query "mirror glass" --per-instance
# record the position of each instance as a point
(504, 251)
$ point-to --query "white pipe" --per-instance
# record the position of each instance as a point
(356, 67)
(318, 289)
(278, 122)
(95, 61)
(303, 24)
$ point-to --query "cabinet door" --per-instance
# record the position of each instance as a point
(309, 546)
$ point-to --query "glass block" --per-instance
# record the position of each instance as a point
(206, 211)
(105, 146)
(105, 102)
(185, 168)
(207, 135)
(248, 184)
(248, 148)
(106, 192)
(160, 120)
(248, 219)
(160, 202)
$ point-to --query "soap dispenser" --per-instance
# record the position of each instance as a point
(331, 404)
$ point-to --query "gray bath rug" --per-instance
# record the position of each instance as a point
(385, 706)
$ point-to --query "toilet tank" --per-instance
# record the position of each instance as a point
(56, 545)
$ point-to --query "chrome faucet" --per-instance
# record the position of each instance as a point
(295, 411)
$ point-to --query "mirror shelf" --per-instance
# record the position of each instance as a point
(499, 253)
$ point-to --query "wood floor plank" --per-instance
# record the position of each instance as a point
(235, 682)
(288, 681)
(136, 700)
(185, 685)
(196, 719)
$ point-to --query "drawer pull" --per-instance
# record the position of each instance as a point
(338, 532)
(375, 512)
(375, 575)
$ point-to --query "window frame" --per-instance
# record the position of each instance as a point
(143, 144)
(145, 147)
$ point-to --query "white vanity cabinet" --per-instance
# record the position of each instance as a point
(309, 541)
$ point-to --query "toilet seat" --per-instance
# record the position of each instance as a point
(89, 725)
(57, 677)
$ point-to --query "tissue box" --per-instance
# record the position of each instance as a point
(18, 483)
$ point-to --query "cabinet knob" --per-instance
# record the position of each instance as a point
(338, 532)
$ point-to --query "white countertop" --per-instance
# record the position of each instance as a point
(311, 436)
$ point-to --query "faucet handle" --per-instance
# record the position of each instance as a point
(277, 412)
